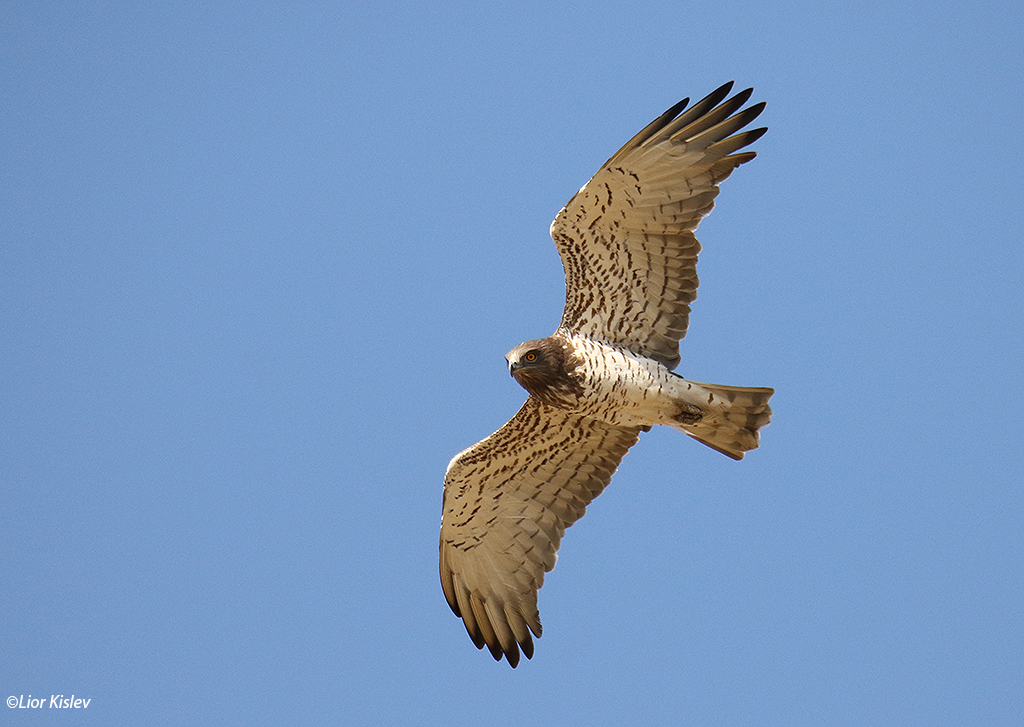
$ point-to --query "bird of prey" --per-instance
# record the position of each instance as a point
(627, 245)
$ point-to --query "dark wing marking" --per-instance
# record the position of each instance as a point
(626, 239)
(507, 503)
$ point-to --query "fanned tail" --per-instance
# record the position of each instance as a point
(731, 418)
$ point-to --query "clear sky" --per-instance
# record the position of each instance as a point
(259, 267)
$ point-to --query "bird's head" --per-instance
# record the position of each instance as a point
(540, 367)
(530, 360)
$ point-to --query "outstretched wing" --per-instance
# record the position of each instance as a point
(626, 239)
(507, 503)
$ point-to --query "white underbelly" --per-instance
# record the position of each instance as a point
(628, 390)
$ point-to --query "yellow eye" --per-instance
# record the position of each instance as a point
(531, 357)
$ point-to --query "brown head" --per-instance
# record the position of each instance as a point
(546, 368)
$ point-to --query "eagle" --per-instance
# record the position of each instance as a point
(604, 376)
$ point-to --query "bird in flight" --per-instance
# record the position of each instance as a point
(605, 375)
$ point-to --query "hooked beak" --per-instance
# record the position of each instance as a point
(512, 366)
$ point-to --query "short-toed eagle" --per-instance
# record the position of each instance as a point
(627, 245)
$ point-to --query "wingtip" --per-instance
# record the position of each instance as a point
(741, 98)
(715, 97)
(724, 88)
(675, 109)
(512, 656)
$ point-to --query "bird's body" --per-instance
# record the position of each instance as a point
(618, 387)
(627, 245)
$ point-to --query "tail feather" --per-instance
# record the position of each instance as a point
(732, 416)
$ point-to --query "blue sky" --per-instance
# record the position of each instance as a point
(261, 263)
